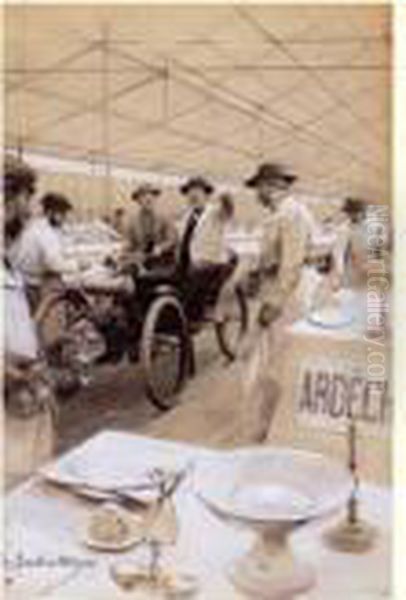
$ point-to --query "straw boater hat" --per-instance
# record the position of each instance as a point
(56, 202)
(197, 182)
(270, 172)
(145, 188)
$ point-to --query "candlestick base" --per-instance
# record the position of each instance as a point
(352, 536)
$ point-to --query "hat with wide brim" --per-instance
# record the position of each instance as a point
(271, 173)
(143, 189)
(56, 202)
(197, 182)
(353, 206)
(18, 176)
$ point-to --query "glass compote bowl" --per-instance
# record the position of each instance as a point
(272, 491)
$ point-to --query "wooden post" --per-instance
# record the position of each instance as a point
(105, 115)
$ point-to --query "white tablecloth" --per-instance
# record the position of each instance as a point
(47, 524)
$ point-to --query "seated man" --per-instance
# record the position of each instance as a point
(151, 242)
(39, 253)
(151, 237)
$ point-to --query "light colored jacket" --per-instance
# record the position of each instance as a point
(39, 252)
(286, 241)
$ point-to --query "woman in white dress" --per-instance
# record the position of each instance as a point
(29, 402)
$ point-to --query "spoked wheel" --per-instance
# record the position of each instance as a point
(58, 314)
(233, 325)
(165, 351)
(69, 339)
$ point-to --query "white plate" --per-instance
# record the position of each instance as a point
(97, 485)
(331, 319)
(113, 547)
(106, 469)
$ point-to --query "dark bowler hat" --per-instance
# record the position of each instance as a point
(145, 188)
(56, 202)
(18, 177)
(197, 182)
(270, 172)
(353, 206)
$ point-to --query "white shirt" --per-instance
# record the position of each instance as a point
(208, 240)
(20, 338)
(39, 251)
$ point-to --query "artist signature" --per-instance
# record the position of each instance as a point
(20, 561)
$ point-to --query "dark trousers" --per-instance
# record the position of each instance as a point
(204, 286)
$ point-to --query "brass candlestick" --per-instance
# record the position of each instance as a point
(353, 534)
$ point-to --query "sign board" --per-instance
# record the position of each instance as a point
(327, 390)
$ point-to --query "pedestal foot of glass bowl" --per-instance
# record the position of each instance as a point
(270, 572)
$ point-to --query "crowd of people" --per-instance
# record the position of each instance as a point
(34, 265)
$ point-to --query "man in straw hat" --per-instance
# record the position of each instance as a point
(287, 230)
(151, 237)
(28, 425)
(285, 239)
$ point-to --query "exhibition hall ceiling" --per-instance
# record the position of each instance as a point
(212, 90)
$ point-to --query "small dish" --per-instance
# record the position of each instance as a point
(182, 586)
(173, 585)
(112, 528)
